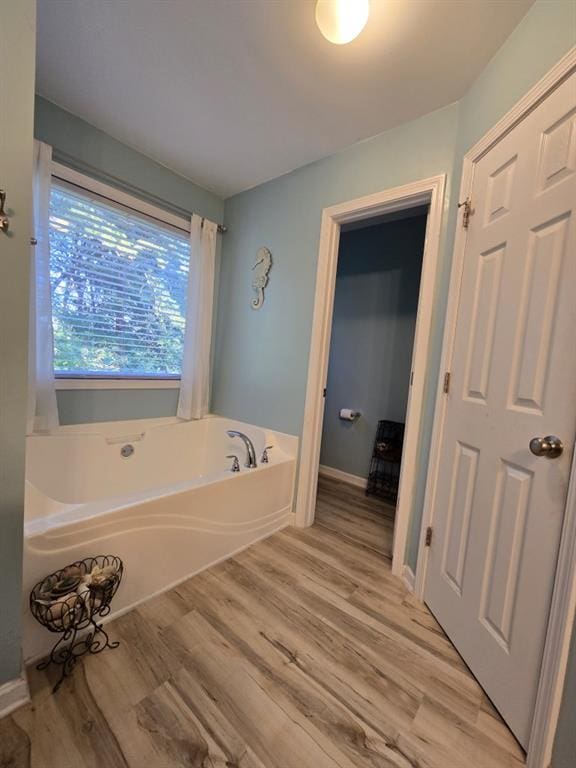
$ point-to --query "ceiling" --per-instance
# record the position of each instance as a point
(231, 93)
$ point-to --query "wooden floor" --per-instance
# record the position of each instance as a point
(301, 652)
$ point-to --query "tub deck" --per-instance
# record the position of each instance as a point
(300, 652)
(169, 511)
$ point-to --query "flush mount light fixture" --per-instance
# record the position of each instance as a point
(340, 21)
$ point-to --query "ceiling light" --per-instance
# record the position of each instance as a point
(340, 21)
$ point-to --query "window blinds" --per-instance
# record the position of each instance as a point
(119, 286)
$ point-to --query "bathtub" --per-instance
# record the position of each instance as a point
(158, 493)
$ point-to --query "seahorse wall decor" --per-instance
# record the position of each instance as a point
(261, 268)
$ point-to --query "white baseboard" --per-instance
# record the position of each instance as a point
(345, 477)
(13, 695)
(408, 577)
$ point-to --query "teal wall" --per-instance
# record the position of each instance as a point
(565, 746)
(89, 150)
(83, 406)
(267, 351)
(261, 358)
(17, 45)
(373, 326)
(543, 36)
(80, 145)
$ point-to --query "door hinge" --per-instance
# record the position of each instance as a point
(324, 392)
(411, 378)
(446, 382)
(467, 205)
(428, 539)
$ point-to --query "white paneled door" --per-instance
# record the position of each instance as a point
(499, 507)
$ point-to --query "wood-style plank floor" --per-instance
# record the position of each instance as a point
(301, 652)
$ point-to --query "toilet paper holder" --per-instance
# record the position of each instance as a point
(348, 414)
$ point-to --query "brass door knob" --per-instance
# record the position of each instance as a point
(550, 446)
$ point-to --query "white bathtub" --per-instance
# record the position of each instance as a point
(169, 510)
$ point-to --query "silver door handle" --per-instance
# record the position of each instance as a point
(4, 220)
(550, 446)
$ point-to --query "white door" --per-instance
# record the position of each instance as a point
(498, 509)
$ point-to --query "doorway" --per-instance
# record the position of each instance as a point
(370, 362)
(425, 193)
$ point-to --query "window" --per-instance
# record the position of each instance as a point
(119, 284)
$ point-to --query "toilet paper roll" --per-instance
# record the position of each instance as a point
(347, 414)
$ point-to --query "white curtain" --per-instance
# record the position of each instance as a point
(42, 406)
(194, 399)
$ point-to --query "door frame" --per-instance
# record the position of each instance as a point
(424, 192)
(563, 605)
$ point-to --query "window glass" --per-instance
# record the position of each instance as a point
(119, 285)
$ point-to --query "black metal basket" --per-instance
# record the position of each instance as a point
(384, 475)
(70, 601)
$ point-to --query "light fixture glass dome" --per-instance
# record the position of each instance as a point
(340, 21)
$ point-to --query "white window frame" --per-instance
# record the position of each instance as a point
(66, 382)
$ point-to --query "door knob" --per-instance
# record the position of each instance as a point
(550, 446)
(4, 220)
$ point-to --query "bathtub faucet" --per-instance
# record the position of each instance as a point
(251, 453)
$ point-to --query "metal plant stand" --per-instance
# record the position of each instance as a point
(69, 602)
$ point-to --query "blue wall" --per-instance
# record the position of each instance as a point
(543, 36)
(261, 358)
(373, 326)
(80, 145)
(83, 406)
(91, 151)
(17, 45)
(268, 350)
(565, 746)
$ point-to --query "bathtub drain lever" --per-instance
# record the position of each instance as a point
(235, 464)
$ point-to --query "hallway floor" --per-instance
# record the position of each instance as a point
(301, 652)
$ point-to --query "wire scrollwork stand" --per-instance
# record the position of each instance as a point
(384, 474)
(70, 602)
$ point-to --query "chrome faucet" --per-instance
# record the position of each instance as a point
(251, 453)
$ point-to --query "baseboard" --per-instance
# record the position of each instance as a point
(408, 577)
(345, 477)
(13, 694)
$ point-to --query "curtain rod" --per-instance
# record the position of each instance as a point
(220, 227)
